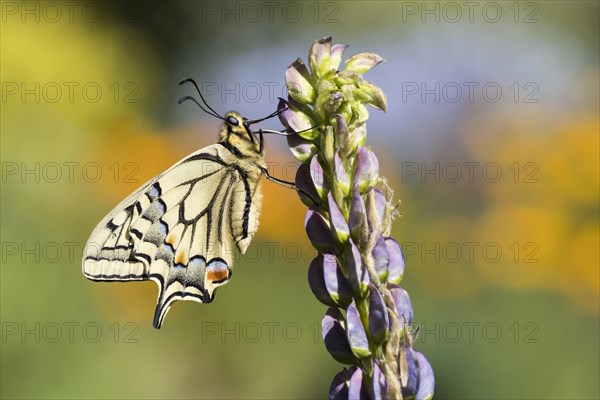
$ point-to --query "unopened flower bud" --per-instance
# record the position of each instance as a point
(356, 333)
(299, 83)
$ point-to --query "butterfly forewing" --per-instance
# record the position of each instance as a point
(180, 228)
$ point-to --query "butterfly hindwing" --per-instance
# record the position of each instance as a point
(180, 228)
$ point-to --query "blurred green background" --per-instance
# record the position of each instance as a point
(490, 141)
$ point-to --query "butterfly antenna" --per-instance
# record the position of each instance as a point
(214, 113)
(184, 98)
(273, 114)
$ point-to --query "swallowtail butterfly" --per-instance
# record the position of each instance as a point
(180, 228)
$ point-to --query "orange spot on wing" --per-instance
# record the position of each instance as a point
(181, 258)
(170, 240)
(216, 275)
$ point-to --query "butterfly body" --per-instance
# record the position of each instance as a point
(182, 227)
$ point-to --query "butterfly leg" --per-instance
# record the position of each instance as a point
(290, 185)
(284, 133)
(287, 184)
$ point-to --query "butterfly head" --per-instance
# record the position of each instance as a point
(237, 133)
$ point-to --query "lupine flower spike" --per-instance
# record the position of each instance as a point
(359, 267)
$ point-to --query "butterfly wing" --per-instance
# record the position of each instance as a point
(180, 228)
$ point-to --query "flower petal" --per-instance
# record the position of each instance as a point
(339, 226)
(337, 51)
(318, 230)
(396, 264)
(362, 62)
(318, 177)
(381, 258)
(295, 119)
(316, 281)
(299, 83)
(328, 146)
(340, 176)
(336, 282)
(327, 281)
(378, 316)
(357, 389)
(356, 333)
(403, 304)
(409, 371)
(360, 113)
(366, 171)
(319, 53)
(301, 148)
(372, 94)
(341, 133)
(357, 216)
(426, 378)
(334, 337)
(379, 386)
(306, 188)
(339, 385)
(357, 273)
(358, 136)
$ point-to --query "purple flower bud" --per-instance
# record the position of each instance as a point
(337, 51)
(339, 227)
(319, 53)
(357, 388)
(357, 273)
(301, 148)
(396, 264)
(381, 258)
(318, 177)
(296, 119)
(327, 281)
(334, 337)
(410, 373)
(379, 386)
(357, 216)
(340, 175)
(339, 386)
(374, 163)
(299, 83)
(316, 280)
(403, 304)
(356, 332)
(362, 62)
(426, 379)
(367, 168)
(376, 208)
(307, 192)
(378, 316)
(318, 230)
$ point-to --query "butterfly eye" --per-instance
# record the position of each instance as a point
(231, 120)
